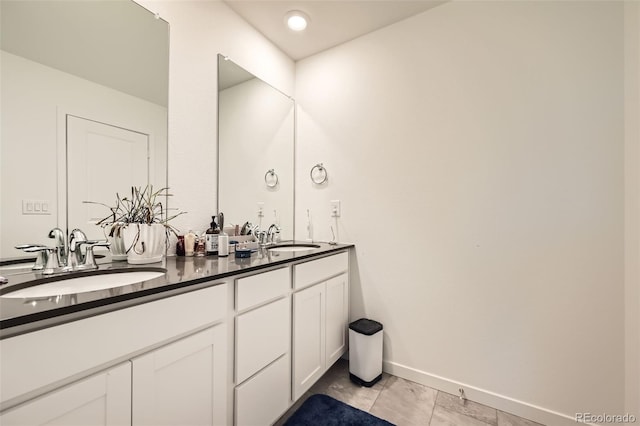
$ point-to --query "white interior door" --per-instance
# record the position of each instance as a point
(102, 160)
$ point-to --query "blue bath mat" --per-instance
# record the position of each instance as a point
(322, 410)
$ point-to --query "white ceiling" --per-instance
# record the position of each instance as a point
(332, 21)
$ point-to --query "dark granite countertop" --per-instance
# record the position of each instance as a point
(183, 274)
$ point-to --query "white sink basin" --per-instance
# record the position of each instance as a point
(84, 284)
(293, 247)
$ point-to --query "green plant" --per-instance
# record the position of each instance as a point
(144, 206)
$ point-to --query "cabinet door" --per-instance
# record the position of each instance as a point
(101, 399)
(308, 338)
(337, 316)
(183, 383)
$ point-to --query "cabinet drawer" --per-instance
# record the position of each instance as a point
(264, 398)
(262, 335)
(256, 289)
(315, 271)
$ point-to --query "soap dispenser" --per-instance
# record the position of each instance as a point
(211, 236)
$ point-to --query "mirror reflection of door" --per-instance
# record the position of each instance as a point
(102, 160)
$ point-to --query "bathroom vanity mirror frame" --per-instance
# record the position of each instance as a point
(125, 90)
(256, 150)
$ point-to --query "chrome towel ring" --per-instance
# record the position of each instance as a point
(318, 174)
(271, 178)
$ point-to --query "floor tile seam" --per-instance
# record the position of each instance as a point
(433, 407)
(495, 410)
(464, 415)
(377, 396)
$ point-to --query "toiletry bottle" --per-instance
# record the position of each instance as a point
(200, 246)
(223, 238)
(212, 237)
(223, 245)
(189, 243)
(180, 246)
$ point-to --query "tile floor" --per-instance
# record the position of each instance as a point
(406, 403)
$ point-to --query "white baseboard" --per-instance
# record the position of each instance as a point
(501, 402)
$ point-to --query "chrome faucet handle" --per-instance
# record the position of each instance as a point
(89, 258)
(41, 259)
(52, 261)
(26, 246)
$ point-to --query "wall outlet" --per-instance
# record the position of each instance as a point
(260, 209)
(335, 208)
(36, 207)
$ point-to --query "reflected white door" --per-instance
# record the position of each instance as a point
(102, 160)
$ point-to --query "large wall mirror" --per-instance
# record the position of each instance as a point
(255, 150)
(84, 88)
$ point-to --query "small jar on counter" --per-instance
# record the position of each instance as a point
(200, 249)
(180, 246)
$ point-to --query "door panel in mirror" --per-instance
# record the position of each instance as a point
(124, 155)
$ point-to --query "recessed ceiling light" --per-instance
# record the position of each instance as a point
(296, 20)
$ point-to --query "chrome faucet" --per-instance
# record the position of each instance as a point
(76, 239)
(59, 236)
(50, 260)
(273, 234)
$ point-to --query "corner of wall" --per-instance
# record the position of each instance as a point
(632, 207)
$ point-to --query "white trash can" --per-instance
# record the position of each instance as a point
(365, 352)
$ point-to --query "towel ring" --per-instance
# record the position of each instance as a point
(271, 178)
(318, 174)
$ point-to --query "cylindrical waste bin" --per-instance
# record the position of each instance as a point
(365, 352)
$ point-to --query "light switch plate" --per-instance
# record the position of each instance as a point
(36, 207)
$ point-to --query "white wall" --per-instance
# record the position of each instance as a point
(34, 100)
(256, 125)
(632, 206)
(478, 151)
(199, 30)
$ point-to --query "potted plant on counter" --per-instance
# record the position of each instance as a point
(138, 225)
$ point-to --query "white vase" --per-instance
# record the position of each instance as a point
(116, 238)
(144, 243)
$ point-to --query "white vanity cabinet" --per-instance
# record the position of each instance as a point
(161, 361)
(239, 351)
(263, 336)
(320, 318)
(101, 399)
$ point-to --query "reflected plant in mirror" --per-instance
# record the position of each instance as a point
(255, 150)
(84, 112)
